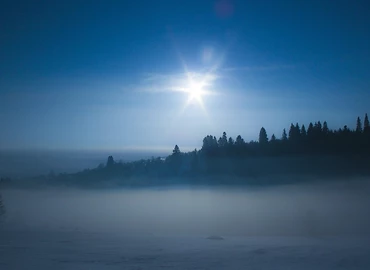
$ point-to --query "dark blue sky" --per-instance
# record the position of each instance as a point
(102, 74)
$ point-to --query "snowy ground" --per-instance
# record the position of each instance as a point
(294, 227)
(81, 250)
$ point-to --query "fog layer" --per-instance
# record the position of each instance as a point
(312, 210)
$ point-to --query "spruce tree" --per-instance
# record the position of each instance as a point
(366, 125)
(224, 138)
(303, 131)
(297, 131)
(358, 125)
(325, 128)
(310, 130)
(176, 150)
(263, 136)
(291, 132)
(230, 142)
(284, 136)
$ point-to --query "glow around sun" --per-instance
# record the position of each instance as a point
(195, 92)
(197, 87)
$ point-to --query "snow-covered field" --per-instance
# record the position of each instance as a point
(81, 250)
(305, 227)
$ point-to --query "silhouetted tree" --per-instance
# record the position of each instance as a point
(273, 138)
(194, 164)
(303, 131)
(210, 145)
(291, 132)
(174, 161)
(222, 141)
(263, 136)
(325, 128)
(297, 131)
(231, 146)
(358, 125)
(310, 131)
(176, 150)
(110, 162)
(319, 126)
(366, 125)
(231, 141)
(239, 141)
(284, 137)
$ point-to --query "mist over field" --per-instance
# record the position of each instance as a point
(307, 209)
(315, 226)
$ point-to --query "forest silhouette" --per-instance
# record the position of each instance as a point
(313, 151)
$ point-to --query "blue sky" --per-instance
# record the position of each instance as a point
(105, 74)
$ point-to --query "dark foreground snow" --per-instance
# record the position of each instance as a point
(289, 227)
(81, 250)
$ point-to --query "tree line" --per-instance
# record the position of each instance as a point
(317, 138)
(298, 150)
(315, 150)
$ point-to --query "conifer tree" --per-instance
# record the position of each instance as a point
(263, 136)
(209, 144)
(297, 130)
(310, 130)
(284, 136)
(215, 144)
(176, 150)
(239, 141)
(366, 125)
(222, 141)
(358, 125)
(291, 132)
(224, 138)
(325, 128)
(230, 142)
(194, 161)
(303, 131)
(319, 127)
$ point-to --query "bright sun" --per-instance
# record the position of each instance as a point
(195, 91)
(196, 86)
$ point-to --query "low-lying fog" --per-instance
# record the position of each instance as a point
(312, 210)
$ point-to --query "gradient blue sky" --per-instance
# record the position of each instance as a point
(100, 74)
